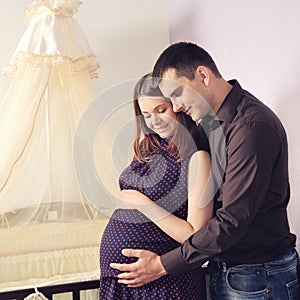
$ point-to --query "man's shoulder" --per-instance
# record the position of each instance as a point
(253, 111)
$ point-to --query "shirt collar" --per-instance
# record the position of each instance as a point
(227, 111)
(210, 123)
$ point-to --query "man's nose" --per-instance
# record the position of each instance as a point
(177, 108)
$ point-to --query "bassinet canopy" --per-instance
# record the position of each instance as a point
(49, 231)
(51, 73)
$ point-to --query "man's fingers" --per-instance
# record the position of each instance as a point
(135, 285)
(146, 269)
(125, 276)
(133, 252)
(130, 282)
(127, 267)
(122, 267)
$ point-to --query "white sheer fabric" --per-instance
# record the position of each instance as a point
(48, 229)
(51, 70)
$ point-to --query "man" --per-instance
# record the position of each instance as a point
(248, 242)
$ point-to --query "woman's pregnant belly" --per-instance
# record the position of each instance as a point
(130, 229)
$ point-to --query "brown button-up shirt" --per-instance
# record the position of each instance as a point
(249, 155)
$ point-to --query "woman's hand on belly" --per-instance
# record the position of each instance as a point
(132, 199)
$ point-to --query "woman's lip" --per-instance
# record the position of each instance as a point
(161, 128)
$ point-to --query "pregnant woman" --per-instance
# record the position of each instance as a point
(162, 201)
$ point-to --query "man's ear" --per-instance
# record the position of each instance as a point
(203, 74)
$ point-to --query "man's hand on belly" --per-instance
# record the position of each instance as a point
(148, 268)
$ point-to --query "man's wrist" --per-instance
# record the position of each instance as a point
(162, 270)
(173, 262)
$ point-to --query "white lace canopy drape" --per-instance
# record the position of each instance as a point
(49, 231)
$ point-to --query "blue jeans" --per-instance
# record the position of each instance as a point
(276, 280)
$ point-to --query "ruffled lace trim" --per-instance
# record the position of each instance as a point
(59, 8)
(49, 254)
(19, 63)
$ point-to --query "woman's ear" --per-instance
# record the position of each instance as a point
(203, 74)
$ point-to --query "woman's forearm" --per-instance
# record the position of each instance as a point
(177, 228)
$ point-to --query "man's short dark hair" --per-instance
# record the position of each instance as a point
(184, 57)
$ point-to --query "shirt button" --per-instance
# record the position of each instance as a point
(257, 272)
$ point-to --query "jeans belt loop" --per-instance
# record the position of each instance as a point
(222, 266)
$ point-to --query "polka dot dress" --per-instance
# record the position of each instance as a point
(164, 180)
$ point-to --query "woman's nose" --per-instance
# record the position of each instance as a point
(156, 119)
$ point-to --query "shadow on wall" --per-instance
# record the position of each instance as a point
(288, 111)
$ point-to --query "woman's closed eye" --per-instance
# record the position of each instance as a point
(159, 111)
(162, 110)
